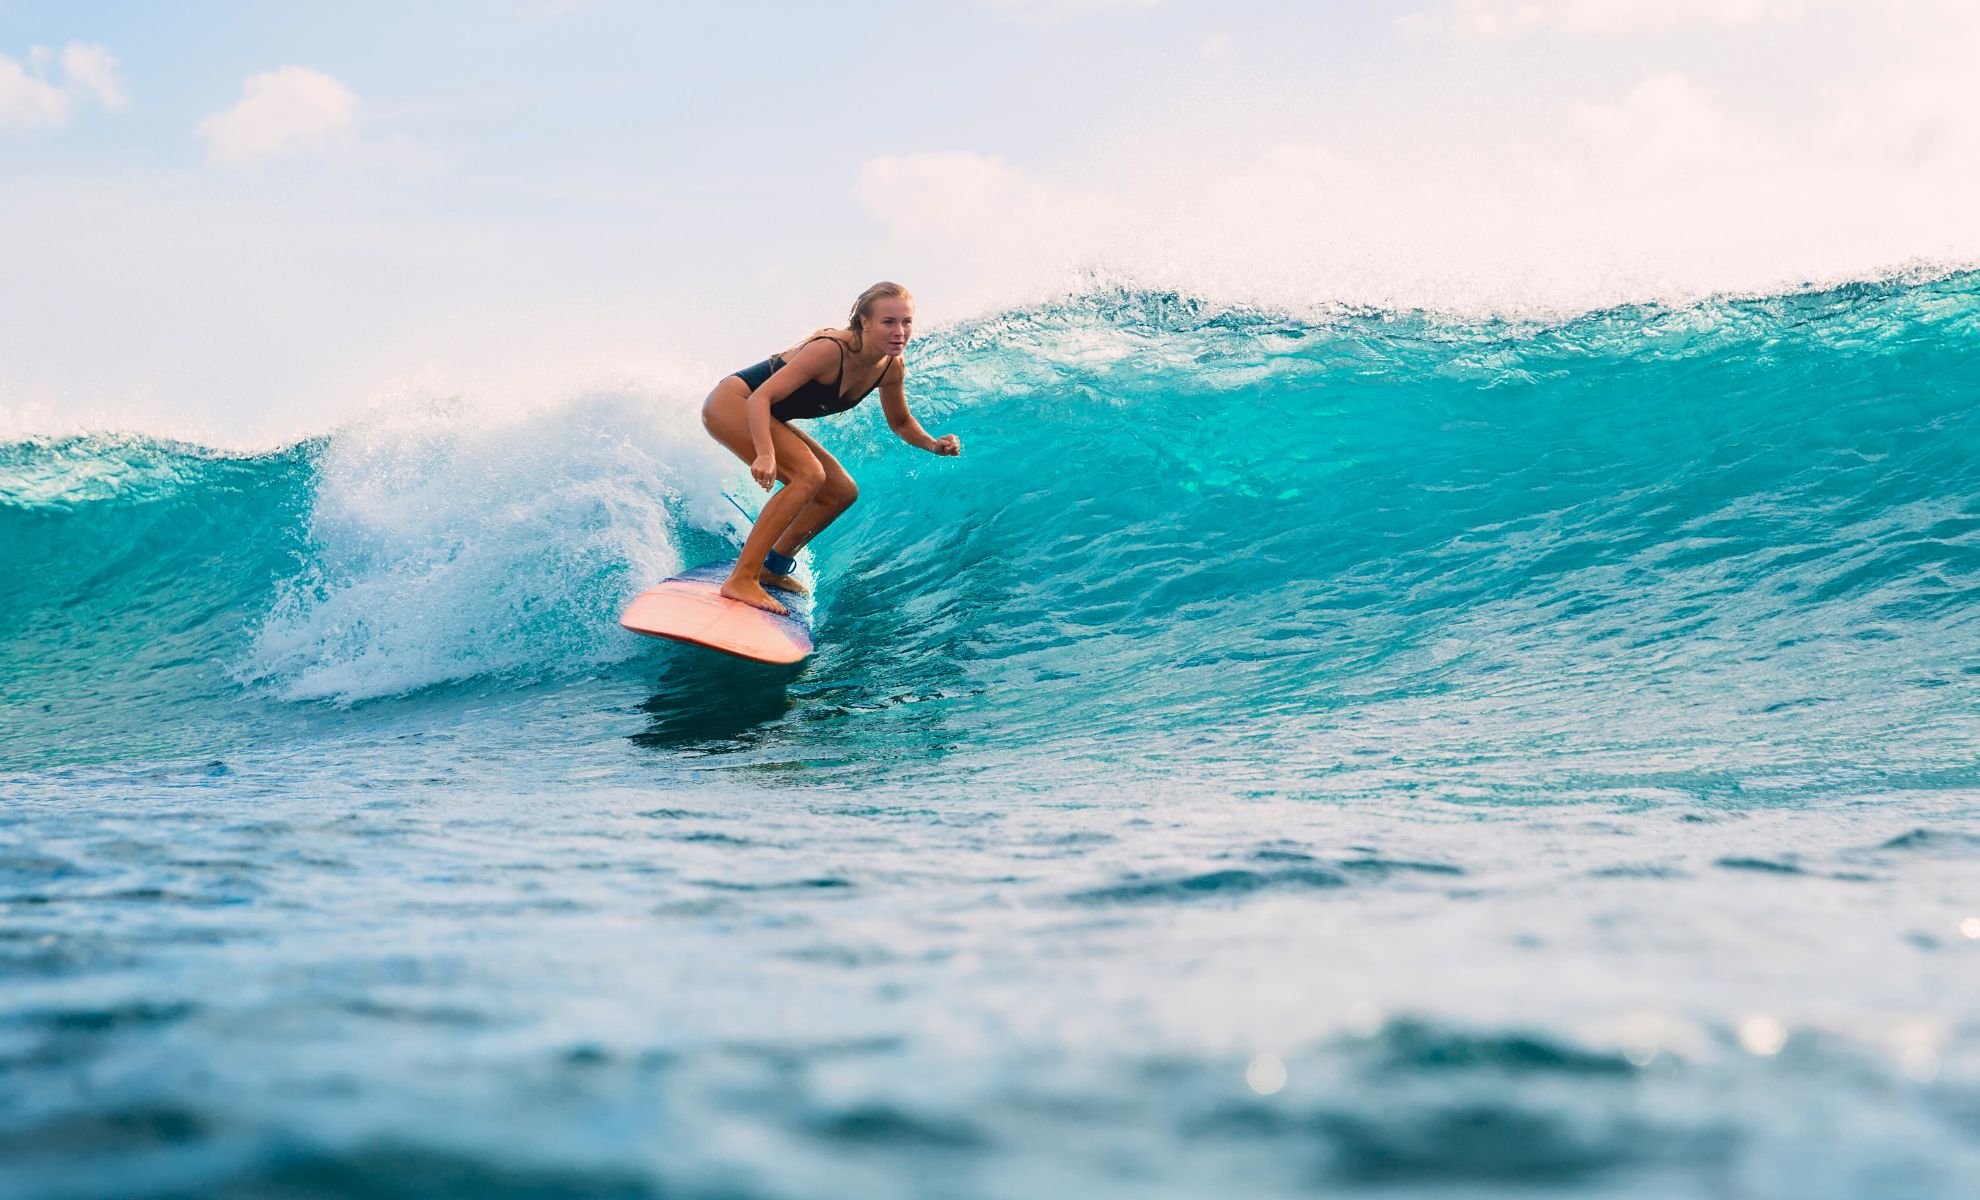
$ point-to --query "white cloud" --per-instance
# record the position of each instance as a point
(286, 111)
(959, 215)
(93, 69)
(29, 97)
(1217, 48)
(1670, 185)
(1920, 121)
(1665, 122)
(1497, 20)
(962, 193)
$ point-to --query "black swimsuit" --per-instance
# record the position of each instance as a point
(812, 399)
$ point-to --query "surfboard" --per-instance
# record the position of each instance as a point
(691, 608)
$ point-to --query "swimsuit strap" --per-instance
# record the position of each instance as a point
(826, 337)
(840, 382)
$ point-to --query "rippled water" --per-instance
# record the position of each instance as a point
(1349, 754)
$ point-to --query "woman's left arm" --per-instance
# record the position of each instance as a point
(893, 398)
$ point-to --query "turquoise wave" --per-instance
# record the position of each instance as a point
(133, 567)
(1200, 531)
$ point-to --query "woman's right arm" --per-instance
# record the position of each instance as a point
(817, 360)
(763, 468)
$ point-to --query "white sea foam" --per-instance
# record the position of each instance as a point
(447, 542)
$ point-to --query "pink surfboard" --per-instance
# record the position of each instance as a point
(691, 608)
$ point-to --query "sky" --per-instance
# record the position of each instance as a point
(244, 222)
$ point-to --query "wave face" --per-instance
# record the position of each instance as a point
(132, 567)
(1678, 533)
(1681, 533)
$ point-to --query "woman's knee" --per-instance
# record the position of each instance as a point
(838, 493)
(804, 477)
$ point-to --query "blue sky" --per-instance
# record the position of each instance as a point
(248, 220)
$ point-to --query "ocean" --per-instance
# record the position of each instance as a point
(1347, 752)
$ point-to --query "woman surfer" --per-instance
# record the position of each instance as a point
(751, 412)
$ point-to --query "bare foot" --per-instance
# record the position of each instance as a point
(751, 593)
(789, 583)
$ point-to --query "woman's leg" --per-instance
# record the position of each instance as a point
(828, 505)
(727, 420)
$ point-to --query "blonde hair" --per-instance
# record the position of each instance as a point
(856, 319)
